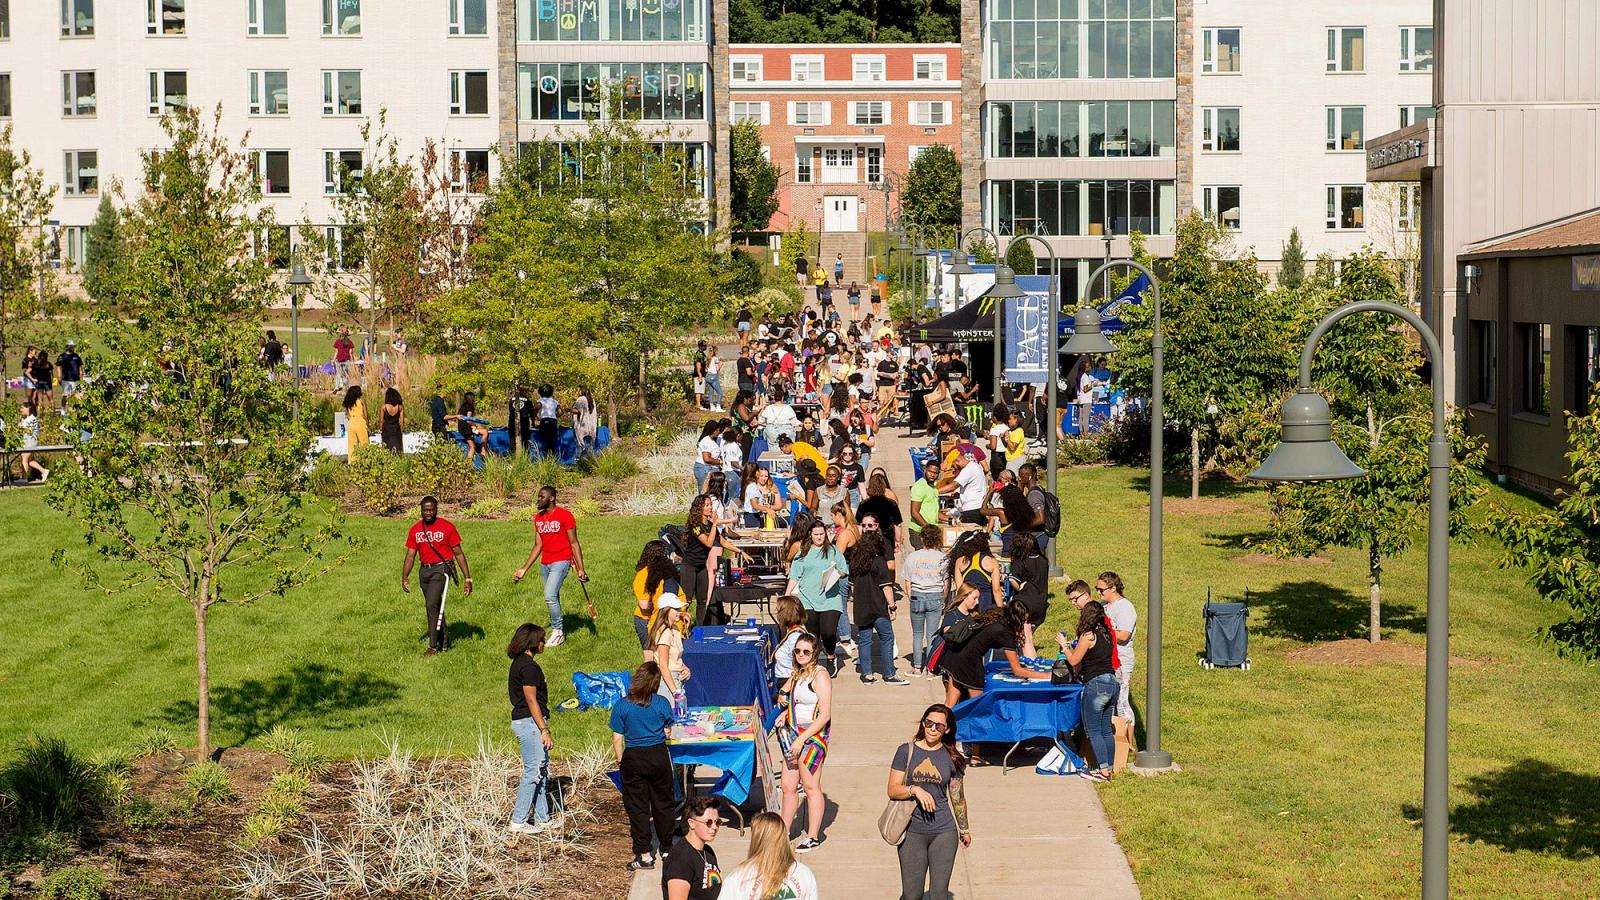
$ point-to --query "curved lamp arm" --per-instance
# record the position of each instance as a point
(961, 240)
(1430, 344)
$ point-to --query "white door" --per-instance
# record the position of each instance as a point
(841, 213)
(839, 165)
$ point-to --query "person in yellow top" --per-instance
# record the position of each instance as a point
(355, 414)
(802, 450)
(1016, 441)
(656, 575)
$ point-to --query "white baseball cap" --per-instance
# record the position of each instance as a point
(670, 601)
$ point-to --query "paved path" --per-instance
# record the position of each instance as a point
(1033, 836)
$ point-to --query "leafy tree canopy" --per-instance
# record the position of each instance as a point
(833, 22)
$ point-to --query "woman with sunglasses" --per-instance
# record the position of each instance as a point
(691, 871)
(931, 772)
(807, 698)
(851, 472)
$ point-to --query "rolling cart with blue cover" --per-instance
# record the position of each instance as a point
(1227, 636)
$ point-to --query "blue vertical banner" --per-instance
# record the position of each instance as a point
(1027, 339)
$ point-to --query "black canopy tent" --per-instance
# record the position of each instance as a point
(972, 323)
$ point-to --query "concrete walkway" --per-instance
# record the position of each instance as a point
(1033, 835)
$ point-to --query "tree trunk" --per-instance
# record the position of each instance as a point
(644, 356)
(611, 411)
(203, 693)
(1194, 463)
(1374, 577)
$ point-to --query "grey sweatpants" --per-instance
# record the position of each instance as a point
(927, 858)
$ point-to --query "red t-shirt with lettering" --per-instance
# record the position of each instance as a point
(434, 543)
(555, 534)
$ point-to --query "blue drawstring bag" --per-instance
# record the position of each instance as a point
(602, 689)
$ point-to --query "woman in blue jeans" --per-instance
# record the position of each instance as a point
(530, 722)
(1090, 654)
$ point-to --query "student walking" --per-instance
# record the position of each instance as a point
(815, 576)
(555, 546)
(930, 771)
(770, 870)
(393, 408)
(639, 723)
(437, 543)
(807, 698)
(926, 585)
(873, 588)
(530, 722)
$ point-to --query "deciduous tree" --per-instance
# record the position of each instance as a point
(25, 203)
(192, 463)
(931, 194)
(754, 180)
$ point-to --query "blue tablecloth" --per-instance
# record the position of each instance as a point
(727, 674)
(736, 759)
(1008, 711)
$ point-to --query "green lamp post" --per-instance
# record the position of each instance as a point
(1307, 453)
(297, 281)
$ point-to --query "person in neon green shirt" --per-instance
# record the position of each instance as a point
(925, 498)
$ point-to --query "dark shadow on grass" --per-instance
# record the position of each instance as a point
(1239, 541)
(573, 622)
(1529, 805)
(1176, 486)
(308, 691)
(1315, 611)
(462, 631)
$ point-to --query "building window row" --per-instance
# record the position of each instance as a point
(653, 92)
(1082, 39)
(813, 113)
(1534, 370)
(863, 67)
(1222, 127)
(559, 161)
(838, 165)
(611, 20)
(1087, 207)
(1080, 128)
(263, 18)
(1221, 49)
(269, 92)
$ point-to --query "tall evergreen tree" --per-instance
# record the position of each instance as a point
(1292, 267)
(103, 248)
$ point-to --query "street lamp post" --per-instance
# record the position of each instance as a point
(1152, 757)
(1307, 453)
(962, 267)
(297, 280)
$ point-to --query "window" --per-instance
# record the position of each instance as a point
(1347, 49)
(5, 92)
(268, 18)
(838, 165)
(1220, 53)
(271, 168)
(77, 94)
(575, 91)
(614, 20)
(917, 150)
(1533, 343)
(341, 248)
(808, 112)
(341, 171)
(869, 112)
(874, 156)
(1408, 199)
(1097, 39)
(1219, 130)
(5, 19)
(1346, 125)
(469, 171)
(269, 93)
(1416, 49)
(930, 112)
(751, 111)
(168, 91)
(802, 165)
(1485, 351)
(83, 173)
(164, 16)
(866, 68)
(1411, 115)
(929, 68)
(69, 246)
(77, 18)
(1222, 204)
(1081, 208)
(469, 17)
(745, 68)
(805, 68)
(1080, 128)
(341, 92)
(341, 17)
(469, 93)
(273, 243)
(1583, 349)
(1346, 206)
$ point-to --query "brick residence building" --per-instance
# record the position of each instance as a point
(836, 117)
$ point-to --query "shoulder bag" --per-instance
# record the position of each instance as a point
(896, 815)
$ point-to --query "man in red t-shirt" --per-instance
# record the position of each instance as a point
(555, 547)
(341, 360)
(437, 543)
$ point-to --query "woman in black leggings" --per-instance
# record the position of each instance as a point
(816, 576)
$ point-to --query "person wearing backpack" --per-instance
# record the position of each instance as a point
(1046, 505)
(929, 771)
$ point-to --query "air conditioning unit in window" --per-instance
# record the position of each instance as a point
(930, 131)
(809, 132)
(871, 131)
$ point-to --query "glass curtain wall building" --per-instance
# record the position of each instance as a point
(1078, 132)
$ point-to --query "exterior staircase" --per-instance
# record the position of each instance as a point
(853, 244)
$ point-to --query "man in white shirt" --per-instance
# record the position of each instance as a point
(1124, 619)
(778, 419)
(970, 486)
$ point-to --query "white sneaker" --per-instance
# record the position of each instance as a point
(45, 477)
(555, 640)
(522, 828)
(546, 826)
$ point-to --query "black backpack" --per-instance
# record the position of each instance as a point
(1052, 513)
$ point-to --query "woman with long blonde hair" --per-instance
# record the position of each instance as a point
(770, 870)
(807, 700)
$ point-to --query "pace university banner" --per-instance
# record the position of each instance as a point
(1027, 339)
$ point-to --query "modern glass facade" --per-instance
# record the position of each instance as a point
(563, 160)
(611, 20)
(1026, 129)
(1081, 38)
(1081, 207)
(653, 92)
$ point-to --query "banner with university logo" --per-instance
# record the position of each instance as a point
(1027, 334)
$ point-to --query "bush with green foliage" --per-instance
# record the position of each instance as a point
(611, 463)
(744, 273)
(487, 508)
(547, 471)
(377, 478)
(49, 787)
(142, 814)
(441, 469)
(75, 883)
(208, 782)
(505, 476)
(327, 477)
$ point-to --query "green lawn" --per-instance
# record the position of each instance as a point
(340, 659)
(1304, 780)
